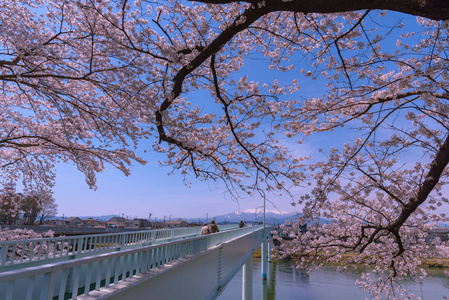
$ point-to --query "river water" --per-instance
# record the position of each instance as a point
(287, 283)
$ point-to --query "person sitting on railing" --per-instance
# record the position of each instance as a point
(213, 227)
(205, 229)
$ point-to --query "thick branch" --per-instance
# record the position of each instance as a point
(240, 24)
(433, 176)
(432, 9)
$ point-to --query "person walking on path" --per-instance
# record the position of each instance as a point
(213, 227)
(241, 224)
(205, 229)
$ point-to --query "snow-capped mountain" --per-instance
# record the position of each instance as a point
(256, 215)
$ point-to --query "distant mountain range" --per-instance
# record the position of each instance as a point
(99, 218)
(272, 217)
(254, 216)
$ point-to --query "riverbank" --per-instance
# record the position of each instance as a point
(435, 263)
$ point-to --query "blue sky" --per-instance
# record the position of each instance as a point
(149, 189)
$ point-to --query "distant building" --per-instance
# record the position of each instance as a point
(141, 223)
(176, 224)
(129, 223)
(442, 233)
(72, 221)
(118, 222)
(89, 222)
(53, 222)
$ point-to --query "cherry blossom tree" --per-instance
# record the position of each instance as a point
(37, 206)
(217, 85)
(9, 208)
(63, 95)
(30, 207)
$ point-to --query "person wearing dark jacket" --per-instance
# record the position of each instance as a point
(213, 227)
(241, 224)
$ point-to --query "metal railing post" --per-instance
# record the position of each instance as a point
(264, 258)
(247, 279)
(270, 247)
(4, 255)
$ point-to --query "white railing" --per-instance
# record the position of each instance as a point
(69, 279)
(59, 248)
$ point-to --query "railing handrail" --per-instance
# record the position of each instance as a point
(100, 235)
(82, 243)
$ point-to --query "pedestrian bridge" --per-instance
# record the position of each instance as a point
(143, 265)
